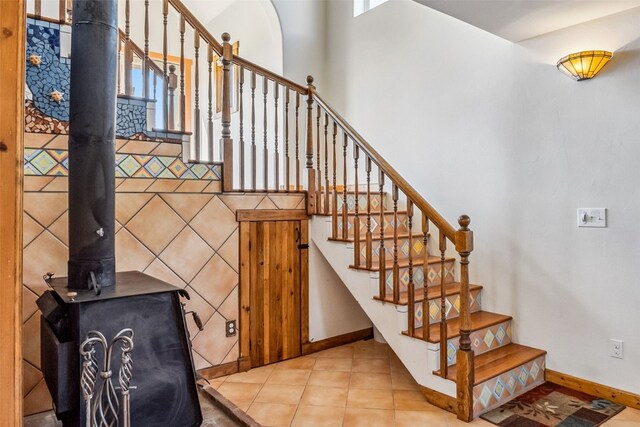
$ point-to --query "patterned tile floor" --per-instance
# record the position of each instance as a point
(360, 384)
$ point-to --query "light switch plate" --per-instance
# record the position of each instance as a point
(592, 217)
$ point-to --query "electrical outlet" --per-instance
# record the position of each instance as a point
(230, 328)
(616, 347)
(592, 217)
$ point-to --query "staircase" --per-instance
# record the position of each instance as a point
(403, 262)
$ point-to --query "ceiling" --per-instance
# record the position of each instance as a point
(518, 20)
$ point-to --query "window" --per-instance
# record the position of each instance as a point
(362, 6)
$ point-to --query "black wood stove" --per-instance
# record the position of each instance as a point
(115, 347)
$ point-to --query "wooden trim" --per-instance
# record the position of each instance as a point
(12, 52)
(304, 284)
(441, 400)
(243, 215)
(615, 395)
(349, 337)
(229, 408)
(220, 370)
(244, 299)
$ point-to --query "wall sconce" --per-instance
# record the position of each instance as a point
(584, 65)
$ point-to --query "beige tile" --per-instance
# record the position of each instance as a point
(127, 204)
(60, 228)
(30, 377)
(134, 185)
(345, 351)
(342, 364)
(199, 361)
(324, 396)
(200, 306)
(37, 140)
(370, 381)
(159, 270)
(629, 414)
(239, 393)
(30, 229)
(241, 201)
(373, 399)
(38, 400)
(233, 354)
(31, 340)
(60, 183)
(277, 393)
(44, 254)
(374, 351)
(164, 185)
(138, 147)
(187, 205)
(167, 149)
(318, 416)
(192, 186)
(45, 207)
(266, 203)
(377, 366)
(416, 418)
(28, 303)
(211, 343)
(60, 142)
(215, 281)
(272, 414)
(187, 254)
(329, 378)
(229, 308)
(35, 183)
(156, 225)
(403, 381)
(215, 212)
(256, 375)
(214, 187)
(361, 417)
(305, 362)
(286, 201)
(130, 253)
(230, 252)
(289, 376)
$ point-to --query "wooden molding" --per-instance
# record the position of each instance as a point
(241, 365)
(313, 347)
(12, 52)
(441, 400)
(613, 394)
(244, 215)
(229, 408)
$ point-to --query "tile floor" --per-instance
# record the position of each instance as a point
(360, 384)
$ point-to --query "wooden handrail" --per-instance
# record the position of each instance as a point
(193, 21)
(419, 201)
(237, 60)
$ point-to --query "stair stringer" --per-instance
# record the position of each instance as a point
(419, 357)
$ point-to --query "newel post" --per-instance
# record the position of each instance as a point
(226, 141)
(464, 358)
(311, 172)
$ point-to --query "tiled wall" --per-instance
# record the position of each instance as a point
(171, 222)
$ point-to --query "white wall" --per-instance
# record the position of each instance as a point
(486, 127)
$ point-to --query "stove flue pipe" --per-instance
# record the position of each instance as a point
(92, 122)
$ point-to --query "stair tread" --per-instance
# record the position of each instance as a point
(498, 361)
(479, 320)
(433, 292)
(376, 238)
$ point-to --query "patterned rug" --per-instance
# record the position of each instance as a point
(551, 405)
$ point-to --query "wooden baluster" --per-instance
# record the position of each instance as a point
(171, 86)
(196, 109)
(465, 357)
(356, 218)
(425, 277)
(165, 69)
(128, 54)
(118, 91)
(443, 308)
(396, 266)
(287, 165)
(37, 8)
(297, 142)
(334, 202)
(276, 90)
(318, 152)
(265, 150)
(254, 150)
(210, 102)
(382, 257)
(62, 11)
(411, 287)
(311, 173)
(345, 211)
(368, 238)
(226, 141)
(183, 98)
(69, 11)
(145, 64)
(326, 164)
(241, 108)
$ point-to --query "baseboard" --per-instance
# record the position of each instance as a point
(613, 394)
(441, 400)
(241, 365)
(313, 347)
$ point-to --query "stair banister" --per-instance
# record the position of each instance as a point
(226, 141)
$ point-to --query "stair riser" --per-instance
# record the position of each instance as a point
(433, 276)
(362, 203)
(452, 304)
(482, 341)
(416, 245)
(499, 390)
(375, 231)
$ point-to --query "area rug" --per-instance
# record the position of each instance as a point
(551, 405)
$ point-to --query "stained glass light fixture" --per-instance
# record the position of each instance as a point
(584, 65)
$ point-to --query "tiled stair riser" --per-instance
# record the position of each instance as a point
(416, 245)
(499, 390)
(482, 341)
(453, 307)
(362, 202)
(434, 275)
(375, 220)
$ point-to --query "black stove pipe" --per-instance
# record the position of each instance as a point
(92, 117)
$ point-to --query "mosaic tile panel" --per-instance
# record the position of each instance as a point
(482, 341)
(362, 202)
(416, 246)
(496, 391)
(131, 119)
(452, 304)
(434, 273)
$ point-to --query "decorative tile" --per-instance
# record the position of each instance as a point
(156, 224)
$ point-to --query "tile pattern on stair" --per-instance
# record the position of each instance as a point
(482, 341)
(452, 307)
